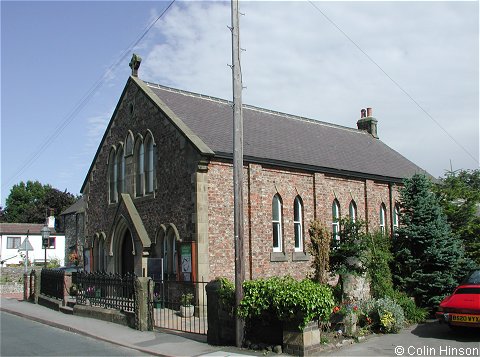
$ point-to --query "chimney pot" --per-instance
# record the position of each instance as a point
(363, 113)
(369, 112)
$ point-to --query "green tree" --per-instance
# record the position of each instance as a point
(348, 255)
(29, 202)
(378, 265)
(428, 259)
(459, 194)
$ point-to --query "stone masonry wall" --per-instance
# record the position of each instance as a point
(172, 199)
(261, 183)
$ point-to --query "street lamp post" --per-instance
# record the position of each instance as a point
(45, 241)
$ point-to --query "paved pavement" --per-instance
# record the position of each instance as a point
(156, 343)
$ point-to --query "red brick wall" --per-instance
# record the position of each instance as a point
(261, 183)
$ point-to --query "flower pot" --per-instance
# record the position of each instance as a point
(187, 311)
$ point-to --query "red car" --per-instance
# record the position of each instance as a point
(462, 308)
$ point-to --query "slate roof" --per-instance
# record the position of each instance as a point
(23, 228)
(77, 207)
(287, 140)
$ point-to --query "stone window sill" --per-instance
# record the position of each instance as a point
(300, 257)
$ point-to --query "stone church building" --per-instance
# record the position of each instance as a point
(161, 185)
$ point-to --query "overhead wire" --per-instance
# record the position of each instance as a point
(84, 100)
(394, 82)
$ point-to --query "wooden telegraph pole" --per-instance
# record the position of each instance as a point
(237, 168)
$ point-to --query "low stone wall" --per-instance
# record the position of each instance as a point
(11, 288)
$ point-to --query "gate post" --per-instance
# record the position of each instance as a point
(142, 297)
(37, 285)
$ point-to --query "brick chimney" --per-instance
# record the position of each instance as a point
(367, 122)
(51, 219)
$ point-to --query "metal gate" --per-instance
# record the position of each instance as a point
(180, 305)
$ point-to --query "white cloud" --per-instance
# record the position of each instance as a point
(296, 61)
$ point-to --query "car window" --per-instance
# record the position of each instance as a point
(473, 278)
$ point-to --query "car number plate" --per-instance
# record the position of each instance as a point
(465, 318)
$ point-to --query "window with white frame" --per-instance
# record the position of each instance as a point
(149, 164)
(396, 216)
(112, 176)
(352, 209)
(383, 211)
(139, 168)
(335, 220)
(277, 223)
(13, 242)
(298, 223)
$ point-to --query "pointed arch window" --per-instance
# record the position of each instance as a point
(139, 168)
(352, 210)
(149, 164)
(129, 144)
(121, 171)
(112, 177)
(335, 220)
(383, 215)
(298, 223)
(277, 223)
(396, 217)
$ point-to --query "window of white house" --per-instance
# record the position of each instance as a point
(13, 242)
(298, 223)
(335, 220)
(149, 165)
(352, 209)
(51, 242)
(383, 211)
(277, 223)
(112, 177)
(121, 171)
(140, 169)
(396, 216)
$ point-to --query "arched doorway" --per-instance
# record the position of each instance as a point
(127, 257)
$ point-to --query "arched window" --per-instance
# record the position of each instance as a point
(335, 220)
(170, 253)
(112, 177)
(383, 211)
(149, 164)
(277, 223)
(352, 209)
(129, 144)
(139, 168)
(298, 223)
(121, 171)
(396, 217)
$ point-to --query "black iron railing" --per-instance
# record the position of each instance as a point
(106, 290)
(53, 283)
(169, 298)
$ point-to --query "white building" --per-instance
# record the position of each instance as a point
(12, 235)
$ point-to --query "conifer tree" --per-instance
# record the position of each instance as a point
(428, 259)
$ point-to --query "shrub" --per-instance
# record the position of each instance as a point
(413, 313)
(384, 314)
(286, 299)
(378, 264)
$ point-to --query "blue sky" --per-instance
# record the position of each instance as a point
(296, 61)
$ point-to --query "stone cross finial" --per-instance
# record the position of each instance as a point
(135, 64)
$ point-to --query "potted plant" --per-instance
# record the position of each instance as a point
(157, 301)
(186, 308)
